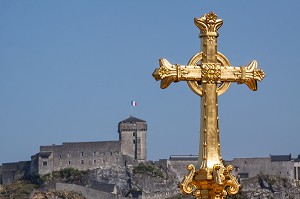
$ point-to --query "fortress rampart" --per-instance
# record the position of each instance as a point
(80, 155)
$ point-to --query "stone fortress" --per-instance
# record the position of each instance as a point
(130, 149)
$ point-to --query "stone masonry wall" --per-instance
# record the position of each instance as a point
(81, 156)
(142, 145)
(250, 166)
(128, 145)
(14, 171)
(34, 165)
(45, 164)
(87, 192)
(255, 166)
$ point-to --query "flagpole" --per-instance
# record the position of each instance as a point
(130, 114)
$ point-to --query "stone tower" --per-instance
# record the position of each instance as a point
(132, 135)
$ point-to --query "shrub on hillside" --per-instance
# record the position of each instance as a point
(149, 169)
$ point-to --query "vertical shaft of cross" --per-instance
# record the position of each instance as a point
(209, 149)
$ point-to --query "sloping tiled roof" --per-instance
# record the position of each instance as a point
(184, 157)
(281, 158)
(45, 154)
(132, 120)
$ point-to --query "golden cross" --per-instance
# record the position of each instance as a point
(209, 74)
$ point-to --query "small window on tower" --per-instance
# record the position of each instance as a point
(44, 163)
(133, 141)
(133, 133)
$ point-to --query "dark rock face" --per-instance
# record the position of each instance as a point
(112, 175)
(266, 187)
(145, 179)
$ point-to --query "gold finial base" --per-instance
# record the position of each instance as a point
(215, 184)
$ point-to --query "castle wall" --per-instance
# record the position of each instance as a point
(34, 164)
(244, 167)
(297, 170)
(14, 171)
(80, 155)
(250, 167)
(87, 192)
(45, 162)
(282, 169)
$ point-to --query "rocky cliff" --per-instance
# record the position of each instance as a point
(270, 187)
(147, 181)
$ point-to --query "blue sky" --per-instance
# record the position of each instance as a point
(68, 70)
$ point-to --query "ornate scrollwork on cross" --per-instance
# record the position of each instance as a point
(187, 186)
(249, 75)
(208, 23)
(211, 73)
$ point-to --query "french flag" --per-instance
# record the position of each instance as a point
(133, 103)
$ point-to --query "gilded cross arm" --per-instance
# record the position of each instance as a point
(208, 73)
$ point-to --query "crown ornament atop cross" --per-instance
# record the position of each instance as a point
(209, 74)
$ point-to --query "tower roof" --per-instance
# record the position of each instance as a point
(132, 120)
